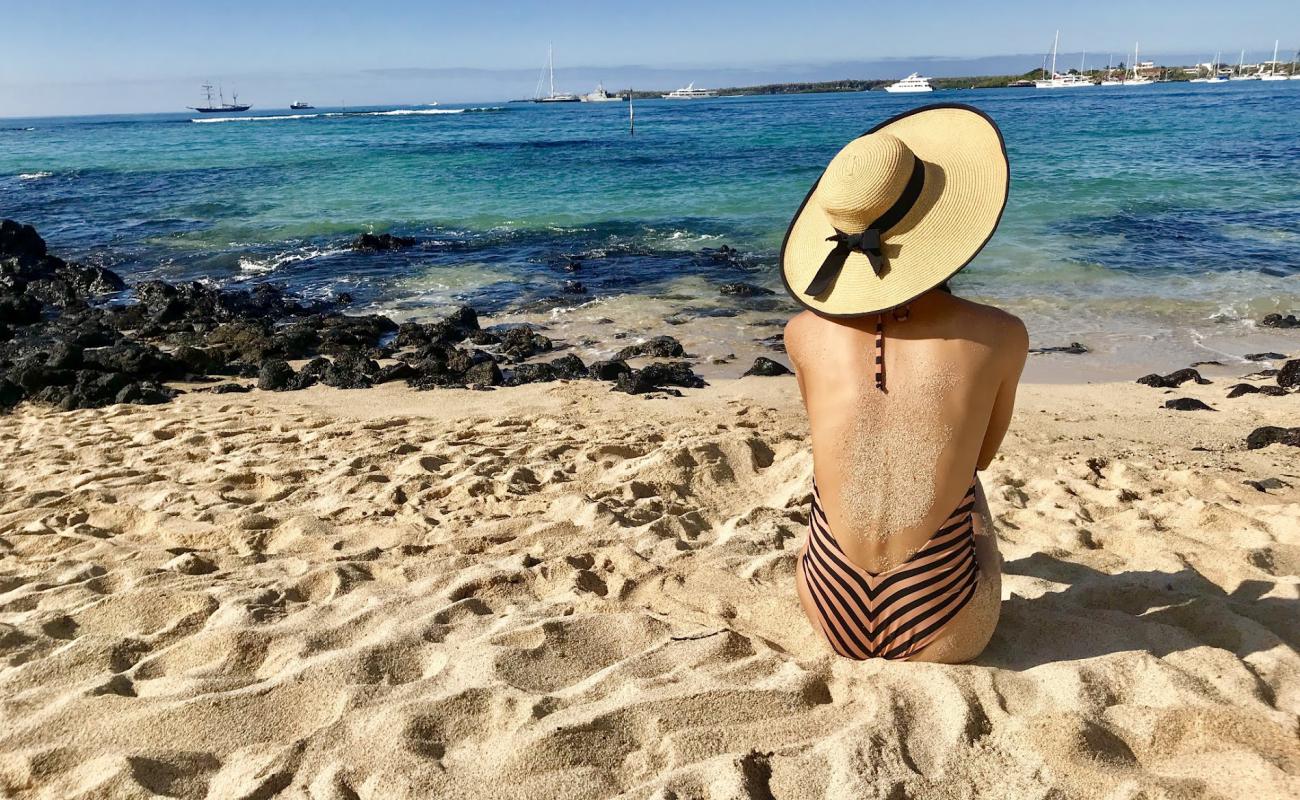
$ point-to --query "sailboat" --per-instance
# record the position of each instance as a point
(1058, 81)
(1241, 63)
(553, 96)
(1215, 76)
(223, 106)
(1272, 74)
(1110, 79)
(1137, 78)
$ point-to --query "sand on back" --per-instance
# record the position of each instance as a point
(892, 465)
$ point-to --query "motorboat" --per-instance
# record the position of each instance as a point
(912, 84)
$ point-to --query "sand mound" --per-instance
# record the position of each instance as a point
(562, 592)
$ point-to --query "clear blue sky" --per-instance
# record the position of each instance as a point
(82, 56)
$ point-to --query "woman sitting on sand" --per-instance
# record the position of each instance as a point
(908, 388)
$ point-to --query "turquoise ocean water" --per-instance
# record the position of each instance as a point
(1152, 223)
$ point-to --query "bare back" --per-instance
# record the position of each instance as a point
(892, 465)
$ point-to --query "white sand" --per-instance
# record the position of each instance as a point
(558, 591)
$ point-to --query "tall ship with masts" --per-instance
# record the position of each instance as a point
(553, 96)
(222, 106)
(1059, 81)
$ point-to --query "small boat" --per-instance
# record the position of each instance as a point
(1057, 80)
(1021, 84)
(223, 106)
(911, 84)
(553, 96)
(689, 92)
(301, 105)
(599, 95)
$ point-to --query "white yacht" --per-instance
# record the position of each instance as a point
(602, 96)
(1057, 80)
(553, 96)
(1273, 74)
(689, 92)
(911, 84)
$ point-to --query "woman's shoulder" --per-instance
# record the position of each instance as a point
(1005, 330)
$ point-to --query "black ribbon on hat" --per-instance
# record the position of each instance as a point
(868, 241)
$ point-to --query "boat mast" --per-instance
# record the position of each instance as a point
(1272, 68)
(550, 59)
(1054, 43)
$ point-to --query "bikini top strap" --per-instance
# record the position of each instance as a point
(901, 314)
(880, 351)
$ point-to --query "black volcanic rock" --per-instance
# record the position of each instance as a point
(144, 393)
(381, 242)
(133, 358)
(529, 373)
(1272, 434)
(19, 309)
(569, 367)
(21, 242)
(573, 287)
(1280, 321)
(1187, 404)
(654, 377)
(657, 347)
(484, 373)
(520, 343)
(741, 289)
(1173, 379)
(767, 367)
(275, 375)
(1072, 349)
(1288, 376)
(608, 370)
(1270, 356)
(11, 394)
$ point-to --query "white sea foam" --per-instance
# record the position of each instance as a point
(403, 112)
(34, 176)
(397, 112)
(261, 266)
(264, 118)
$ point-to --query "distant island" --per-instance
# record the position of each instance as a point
(1169, 74)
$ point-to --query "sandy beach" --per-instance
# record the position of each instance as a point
(561, 591)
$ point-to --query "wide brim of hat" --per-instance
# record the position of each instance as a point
(966, 183)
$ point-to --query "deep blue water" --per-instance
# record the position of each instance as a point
(1172, 205)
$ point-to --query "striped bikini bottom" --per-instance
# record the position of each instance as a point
(891, 614)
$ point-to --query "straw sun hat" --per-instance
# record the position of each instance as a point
(897, 212)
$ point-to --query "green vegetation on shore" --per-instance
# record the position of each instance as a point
(855, 85)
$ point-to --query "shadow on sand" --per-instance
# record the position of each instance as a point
(1156, 612)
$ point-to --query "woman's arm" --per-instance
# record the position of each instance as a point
(1015, 348)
